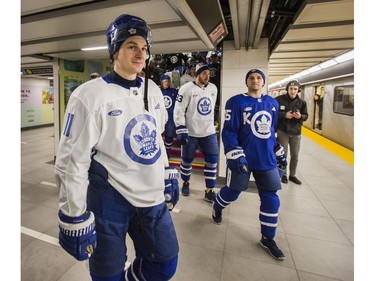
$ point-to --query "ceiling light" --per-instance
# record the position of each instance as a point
(313, 69)
(94, 48)
(345, 57)
(327, 63)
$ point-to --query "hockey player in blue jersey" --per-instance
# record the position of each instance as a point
(170, 95)
(194, 119)
(112, 169)
(250, 146)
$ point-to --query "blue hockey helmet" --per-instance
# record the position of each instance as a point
(165, 77)
(124, 27)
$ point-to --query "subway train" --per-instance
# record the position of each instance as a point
(329, 95)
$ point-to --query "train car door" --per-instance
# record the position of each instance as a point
(318, 108)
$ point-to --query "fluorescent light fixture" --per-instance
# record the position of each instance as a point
(94, 48)
(327, 63)
(339, 59)
(305, 72)
(345, 57)
(313, 69)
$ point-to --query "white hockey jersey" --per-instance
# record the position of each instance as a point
(194, 109)
(112, 121)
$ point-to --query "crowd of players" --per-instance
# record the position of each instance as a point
(183, 64)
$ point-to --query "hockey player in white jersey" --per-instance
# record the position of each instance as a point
(195, 128)
(250, 146)
(112, 169)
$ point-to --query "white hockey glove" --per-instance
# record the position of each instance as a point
(171, 190)
(77, 235)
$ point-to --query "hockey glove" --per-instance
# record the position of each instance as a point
(77, 235)
(171, 189)
(280, 155)
(236, 160)
(182, 134)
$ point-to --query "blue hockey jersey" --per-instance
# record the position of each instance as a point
(251, 124)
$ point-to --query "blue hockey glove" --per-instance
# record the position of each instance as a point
(182, 134)
(236, 160)
(280, 155)
(77, 235)
(171, 190)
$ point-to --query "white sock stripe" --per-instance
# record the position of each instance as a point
(186, 169)
(223, 199)
(185, 174)
(268, 224)
(220, 204)
(209, 178)
(209, 170)
(269, 214)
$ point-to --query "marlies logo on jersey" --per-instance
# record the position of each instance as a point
(141, 140)
(261, 124)
(204, 106)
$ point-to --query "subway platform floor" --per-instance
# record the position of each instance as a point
(316, 224)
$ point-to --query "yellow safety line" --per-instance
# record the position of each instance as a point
(340, 151)
(178, 163)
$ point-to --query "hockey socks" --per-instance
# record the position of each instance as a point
(268, 215)
(225, 197)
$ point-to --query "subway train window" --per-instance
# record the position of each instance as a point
(344, 100)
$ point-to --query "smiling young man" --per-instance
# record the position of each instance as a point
(292, 114)
(250, 146)
(112, 169)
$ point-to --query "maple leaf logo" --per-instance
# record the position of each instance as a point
(146, 141)
(205, 105)
(263, 125)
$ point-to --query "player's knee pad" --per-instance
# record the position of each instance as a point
(142, 269)
(268, 180)
(211, 158)
(117, 277)
(225, 197)
(236, 180)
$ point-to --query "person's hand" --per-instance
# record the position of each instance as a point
(289, 114)
(77, 235)
(297, 114)
(182, 133)
(280, 155)
(171, 189)
(236, 160)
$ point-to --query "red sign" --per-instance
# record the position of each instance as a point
(218, 33)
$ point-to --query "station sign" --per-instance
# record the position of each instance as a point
(45, 70)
